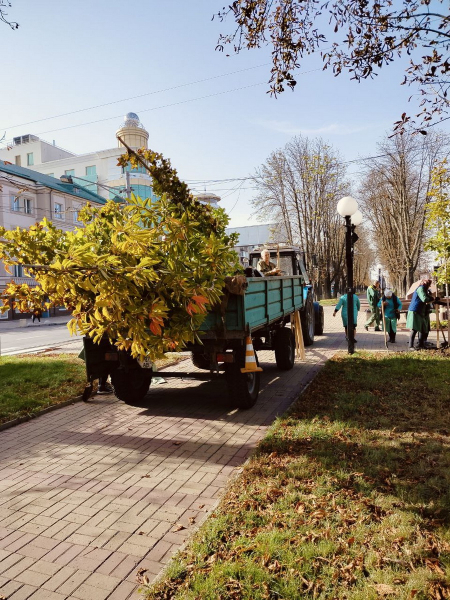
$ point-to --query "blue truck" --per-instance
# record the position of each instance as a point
(263, 311)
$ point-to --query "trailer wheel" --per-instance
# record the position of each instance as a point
(307, 320)
(201, 361)
(285, 349)
(320, 321)
(243, 388)
(131, 386)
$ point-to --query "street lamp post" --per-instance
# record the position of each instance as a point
(348, 208)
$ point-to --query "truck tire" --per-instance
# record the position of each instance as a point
(285, 349)
(243, 388)
(307, 320)
(201, 361)
(131, 386)
(319, 322)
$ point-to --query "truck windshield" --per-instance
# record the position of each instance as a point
(302, 268)
(285, 263)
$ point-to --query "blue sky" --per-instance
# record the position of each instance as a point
(67, 56)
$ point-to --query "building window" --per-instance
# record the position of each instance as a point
(58, 211)
(91, 171)
(76, 212)
(18, 160)
(138, 169)
(18, 271)
(143, 191)
(15, 204)
(30, 159)
(24, 205)
(70, 172)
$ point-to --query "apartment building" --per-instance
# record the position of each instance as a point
(26, 197)
(95, 171)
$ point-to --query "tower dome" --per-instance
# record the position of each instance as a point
(131, 120)
(132, 132)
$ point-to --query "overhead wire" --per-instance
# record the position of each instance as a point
(175, 87)
(237, 200)
(162, 106)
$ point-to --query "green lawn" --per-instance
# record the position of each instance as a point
(443, 324)
(329, 302)
(31, 383)
(347, 497)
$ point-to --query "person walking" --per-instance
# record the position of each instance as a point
(344, 314)
(392, 307)
(418, 314)
(373, 298)
(37, 313)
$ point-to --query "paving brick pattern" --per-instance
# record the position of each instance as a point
(92, 492)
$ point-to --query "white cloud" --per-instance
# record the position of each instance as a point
(331, 129)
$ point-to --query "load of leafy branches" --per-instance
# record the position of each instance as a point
(143, 273)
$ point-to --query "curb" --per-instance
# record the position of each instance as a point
(44, 411)
(8, 327)
(48, 324)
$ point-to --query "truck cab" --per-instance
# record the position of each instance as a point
(291, 261)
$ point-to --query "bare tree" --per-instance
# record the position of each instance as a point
(395, 194)
(364, 258)
(356, 36)
(299, 187)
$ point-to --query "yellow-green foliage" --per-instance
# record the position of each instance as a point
(143, 274)
(438, 219)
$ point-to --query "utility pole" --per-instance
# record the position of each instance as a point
(128, 185)
(349, 260)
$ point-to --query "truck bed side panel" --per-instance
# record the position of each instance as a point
(271, 298)
(265, 300)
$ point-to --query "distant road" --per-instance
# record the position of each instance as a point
(31, 339)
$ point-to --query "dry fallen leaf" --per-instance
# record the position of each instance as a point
(141, 577)
(383, 589)
(141, 533)
(433, 565)
(318, 514)
(191, 520)
(178, 527)
(177, 443)
(201, 505)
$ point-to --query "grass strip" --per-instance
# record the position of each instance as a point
(347, 497)
(31, 383)
(329, 302)
(442, 324)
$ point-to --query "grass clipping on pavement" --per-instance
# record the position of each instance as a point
(31, 383)
(348, 496)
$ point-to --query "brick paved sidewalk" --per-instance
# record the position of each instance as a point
(92, 492)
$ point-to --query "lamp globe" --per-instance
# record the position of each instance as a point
(347, 206)
(357, 218)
